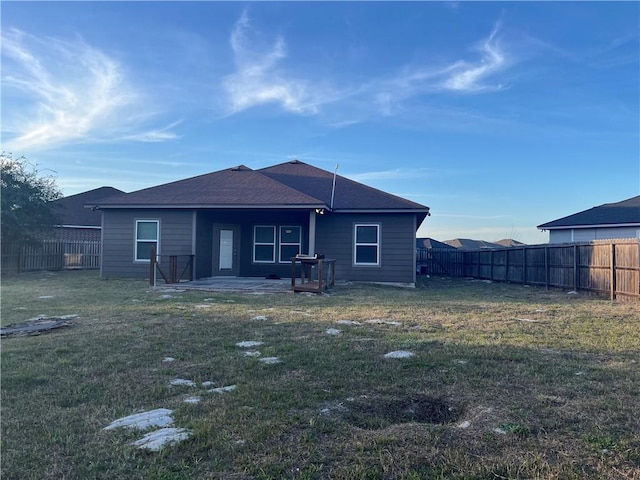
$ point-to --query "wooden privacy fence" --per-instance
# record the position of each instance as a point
(606, 266)
(50, 255)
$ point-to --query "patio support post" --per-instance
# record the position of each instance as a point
(312, 232)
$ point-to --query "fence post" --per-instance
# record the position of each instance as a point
(173, 269)
(524, 265)
(613, 271)
(506, 266)
(152, 266)
(546, 267)
(575, 268)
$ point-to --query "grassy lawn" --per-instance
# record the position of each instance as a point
(506, 381)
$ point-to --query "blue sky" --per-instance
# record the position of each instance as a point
(499, 116)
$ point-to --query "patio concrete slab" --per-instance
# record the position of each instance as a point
(235, 284)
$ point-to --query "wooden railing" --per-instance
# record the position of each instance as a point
(169, 273)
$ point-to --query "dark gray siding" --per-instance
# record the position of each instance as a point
(246, 220)
(204, 246)
(335, 239)
(119, 239)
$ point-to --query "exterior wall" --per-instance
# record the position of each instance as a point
(335, 239)
(118, 240)
(570, 235)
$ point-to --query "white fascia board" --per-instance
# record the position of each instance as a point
(209, 207)
(599, 225)
(93, 227)
(399, 210)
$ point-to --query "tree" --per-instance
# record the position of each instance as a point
(25, 204)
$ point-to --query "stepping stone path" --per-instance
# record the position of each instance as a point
(177, 382)
(383, 322)
(399, 354)
(333, 331)
(160, 417)
(348, 322)
(270, 360)
(248, 344)
(228, 388)
(154, 441)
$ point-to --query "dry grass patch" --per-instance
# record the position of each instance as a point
(505, 381)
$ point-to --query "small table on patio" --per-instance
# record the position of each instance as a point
(323, 266)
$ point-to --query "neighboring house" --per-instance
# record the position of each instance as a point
(431, 243)
(77, 222)
(608, 221)
(249, 223)
(510, 242)
(469, 244)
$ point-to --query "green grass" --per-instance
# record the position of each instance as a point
(507, 381)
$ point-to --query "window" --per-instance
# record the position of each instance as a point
(367, 244)
(264, 244)
(146, 237)
(289, 243)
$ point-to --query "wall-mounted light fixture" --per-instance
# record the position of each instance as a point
(320, 211)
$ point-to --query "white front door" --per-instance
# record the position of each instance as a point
(226, 243)
(226, 250)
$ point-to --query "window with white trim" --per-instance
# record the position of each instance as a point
(366, 247)
(290, 240)
(264, 244)
(147, 236)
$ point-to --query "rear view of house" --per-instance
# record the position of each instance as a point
(249, 223)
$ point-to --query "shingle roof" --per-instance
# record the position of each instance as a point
(288, 185)
(626, 212)
(71, 209)
(233, 187)
(431, 243)
(348, 195)
(470, 244)
(510, 242)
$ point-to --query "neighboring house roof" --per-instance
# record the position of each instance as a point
(431, 243)
(510, 242)
(72, 212)
(469, 244)
(292, 184)
(624, 213)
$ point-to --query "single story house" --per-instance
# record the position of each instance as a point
(431, 243)
(470, 244)
(79, 223)
(250, 223)
(607, 221)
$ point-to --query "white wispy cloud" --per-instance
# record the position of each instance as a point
(393, 174)
(63, 92)
(260, 76)
(470, 76)
(456, 76)
(264, 75)
(156, 135)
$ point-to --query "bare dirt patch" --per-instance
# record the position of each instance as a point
(381, 412)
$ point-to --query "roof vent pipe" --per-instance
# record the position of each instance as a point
(333, 188)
